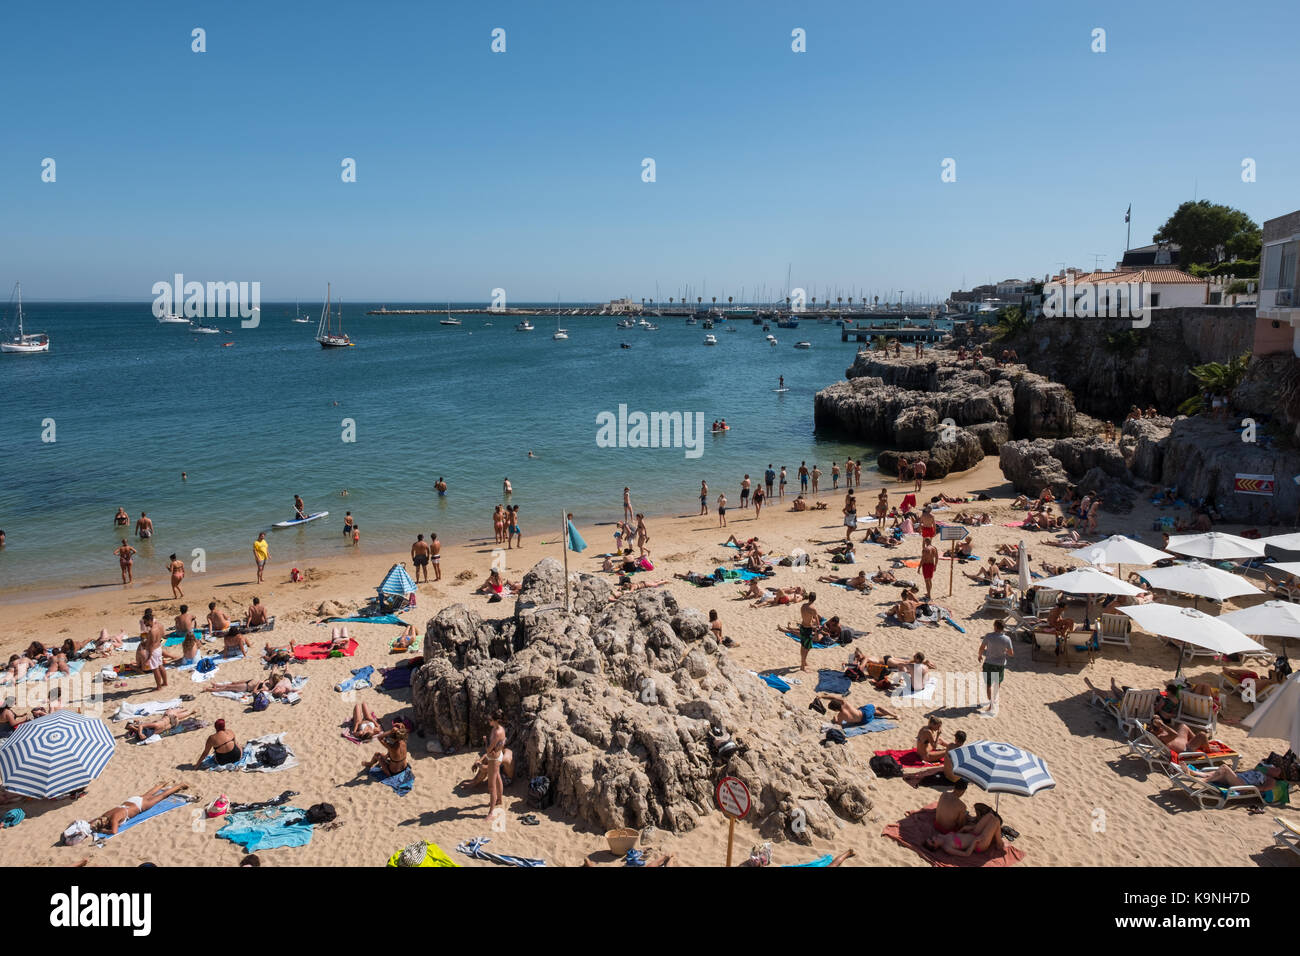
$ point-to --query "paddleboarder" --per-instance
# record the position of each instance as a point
(299, 509)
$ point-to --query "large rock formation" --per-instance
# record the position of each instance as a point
(1089, 465)
(616, 702)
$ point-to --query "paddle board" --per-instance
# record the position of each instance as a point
(297, 521)
(780, 390)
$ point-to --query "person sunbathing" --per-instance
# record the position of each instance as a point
(1010, 550)
(222, 745)
(394, 760)
(950, 500)
(928, 776)
(1242, 674)
(841, 712)
(365, 722)
(188, 653)
(158, 723)
(799, 504)
(733, 540)
(882, 576)
(1009, 564)
(11, 718)
(858, 582)
(495, 585)
(1117, 691)
(905, 610)
(930, 747)
(1020, 502)
(1031, 522)
(986, 574)
(112, 821)
(628, 587)
(780, 596)
(752, 589)
(984, 834)
(405, 640)
(950, 814)
(234, 644)
(1057, 620)
(1224, 776)
(1180, 739)
(16, 672)
(278, 655)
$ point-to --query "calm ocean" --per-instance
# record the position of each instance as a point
(134, 403)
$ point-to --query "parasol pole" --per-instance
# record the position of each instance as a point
(564, 540)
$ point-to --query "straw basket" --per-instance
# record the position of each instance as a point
(620, 841)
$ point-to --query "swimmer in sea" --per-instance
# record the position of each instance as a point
(440, 486)
(144, 526)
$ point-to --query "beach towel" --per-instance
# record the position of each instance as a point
(726, 544)
(267, 829)
(820, 861)
(377, 619)
(360, 679)
(794, 636)
(39, 671)
(320, 651)
(475, 849)
(412, 648)
(738, 574)
(401, 783)
(772, 680)
(892, 621)
(127, 710)
(1013, 524)
(248, 761)
(908, 503)
(925, 693)
(918, 826)
(434, 856)
(268, 626)
(907, 758)
(872, 727)
(200, 676)
(833, 682)
(184, 727)
(396, 677)
(161, 807)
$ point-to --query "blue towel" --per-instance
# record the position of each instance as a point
(14, 817)
(401, 783)
(377, 619)
(820, 861)
(794, 636)
(833, 682)
(871, 727)
(267, 829)
(771, 680)
(475, 849)
(739, 574)
(360, 678)
(210, 762)
(162, 806)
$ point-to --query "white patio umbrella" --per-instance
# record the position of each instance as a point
(1272, 618)
(1121, 550)
(1190, 626)
(1198, 578)
(1215, 546)
(1284, 542)
(1089, 580)
(1286, 567)
(1279, 716)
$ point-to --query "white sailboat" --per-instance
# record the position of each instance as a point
(450, 319)
(25, 343)
(325, 333)
(298, 316)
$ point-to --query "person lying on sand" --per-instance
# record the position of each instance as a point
(984, 834)
(844, 555)
(17, 669)
(394, 760)
(365, 722)
(278, 655)
(841, 712)
(882, 576)
(780, 596)
(277, 685)
(625, 589)
(404, 640)
(971, 517)
(111, 821)
(858, 582)
(156, 724)
(876, 536)
(877, 667)
(740, 544)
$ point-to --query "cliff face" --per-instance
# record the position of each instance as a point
(1110, 366)
(1203, 456)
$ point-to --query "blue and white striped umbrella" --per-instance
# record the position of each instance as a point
(1001, 768)
(397, 581)
(55, 754)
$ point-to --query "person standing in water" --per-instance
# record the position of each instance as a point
(780, 381)
(744, 493)
(505, 487)
(125, 558)
(144, 526)
(348, 522)
(440, 486)
(121, 519)
(176, 568)
(261, 551)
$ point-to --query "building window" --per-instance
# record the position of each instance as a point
(1279, 265)
(1155, 300)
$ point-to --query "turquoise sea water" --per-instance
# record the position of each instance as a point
(134, 403)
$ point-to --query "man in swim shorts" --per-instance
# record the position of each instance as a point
(420, 557)
(809, 623)
(144, 526)
(435, 555)
(929, 561)
(845, 714)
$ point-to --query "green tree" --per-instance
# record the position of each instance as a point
(1208, 233)
(1216, 379)
(1011, 321)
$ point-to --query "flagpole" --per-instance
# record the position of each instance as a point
(564, 540)
(1128, 228)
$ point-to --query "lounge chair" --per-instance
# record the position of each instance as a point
(1211, 796)
(1244, 690)
(1198, 710)
(1134, 709)
(1003, 605)
(1281, 587)
(1044, 600)
(1288, 836)
(1158, 756)
(1116, 629)
(1046, 642)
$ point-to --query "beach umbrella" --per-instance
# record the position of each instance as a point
(1286, 567)
(1090, 580)
(54, 755)
(397, 581)
(1001, 768)
(1283, 542)
(1190, 626)
(1197, 578)
(1279, 716)
(1121, 550)
(1272, 618)
(1216, 546)
(1022, 568)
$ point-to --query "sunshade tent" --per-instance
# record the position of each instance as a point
(54, 755)
(1279, 716)
(396, 584)
(1190, 626)
(1283, 542)
(1001, 768)
(1197, 578)
(1215, 546)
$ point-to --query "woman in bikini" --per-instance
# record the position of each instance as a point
(365, 722)
(112, 821)
(498, 524)
(984, 834)
(780, 596)
(221, 744)
(121, 519)
(125, 558)
(1181, 739)
(395, 760)
(168, 720)
(176, 568)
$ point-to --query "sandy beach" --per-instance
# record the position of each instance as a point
(1106, 808)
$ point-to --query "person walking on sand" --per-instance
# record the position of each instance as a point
(144, 526)
(722, 510)
(994, 650)
(176, 568)
(704, 497)
(627, 505)
(420, 557)
(758, 501)
(151, 645)
(809, 623)
(918, 473)
(261, 551)
(642, 535)
(435, 558)
(125, 558)
(929, 561)
(850, 515)
(744, 493)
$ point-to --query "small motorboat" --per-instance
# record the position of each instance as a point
(449, 321)
(624, 345)
(710, 340)
(692, 321)
(732, 328)
(203, 329)
(524, 326)
(626, 324)
(560, 334)
(650, 327)
(803, 345)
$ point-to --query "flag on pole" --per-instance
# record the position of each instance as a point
(1128, 212)
(575, 540)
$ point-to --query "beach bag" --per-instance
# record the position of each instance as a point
(835, 736)
(854, 673)
(295, 575)
(272, 755)
(540, 795)
(205, 665)
(886, 766)
(645, 564)
(261, 700)
(321, 813)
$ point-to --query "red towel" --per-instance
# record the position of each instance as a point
(908, 503)
(321, 650)
(918, 826)
(908, 758)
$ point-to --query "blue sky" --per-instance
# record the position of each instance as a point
(522, 170)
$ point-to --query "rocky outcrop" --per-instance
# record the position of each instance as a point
(1086, 465)
(1202, 456)
(617, 703)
